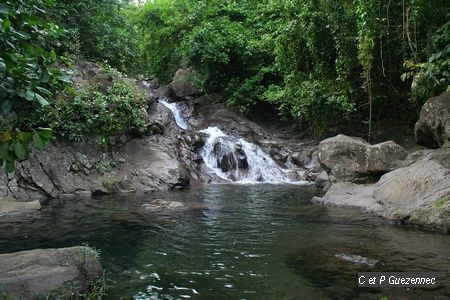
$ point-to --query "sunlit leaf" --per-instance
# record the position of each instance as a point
(41, 100)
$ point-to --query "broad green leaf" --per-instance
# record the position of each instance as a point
(41, 100)
(44, 91)
(10, 166)
(37, 140)
(4, 150)
(45, 77)
(46, 133)
(24, 137)
(20, 151)
(29, 95)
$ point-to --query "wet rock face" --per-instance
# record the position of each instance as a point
(354, 160)
(433, 128)
(47, 270)
(230, 158)
(277, 155)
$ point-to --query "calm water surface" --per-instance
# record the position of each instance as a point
(233, 242)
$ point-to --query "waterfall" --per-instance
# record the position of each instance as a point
(235, 159)
(181, 122)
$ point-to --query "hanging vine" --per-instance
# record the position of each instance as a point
(366, 36)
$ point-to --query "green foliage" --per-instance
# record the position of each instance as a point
(348, 54)
(99, 111)
(93, 290)
(433, 77)
(28, 75)
(311, 100)
(109, 182)
(99, 30)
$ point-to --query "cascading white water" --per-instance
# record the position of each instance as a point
(181, 122)
(234, 159)
(237, 160)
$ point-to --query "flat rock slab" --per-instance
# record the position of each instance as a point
(12, 206)
(418, 194)
(351, 195)
(29, 274)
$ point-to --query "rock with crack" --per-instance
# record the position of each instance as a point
(352, 159)
(151, 165)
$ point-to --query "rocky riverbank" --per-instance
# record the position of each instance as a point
(167, 159)
(406, 188)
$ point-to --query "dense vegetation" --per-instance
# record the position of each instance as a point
(318, 62)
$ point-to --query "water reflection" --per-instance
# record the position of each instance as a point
(232, 242)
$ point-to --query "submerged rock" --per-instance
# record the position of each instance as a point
(358, 260)
(333, 269)
(12, 206)
(163, 205)
(34, 273)
(353, 159)
(433, 128)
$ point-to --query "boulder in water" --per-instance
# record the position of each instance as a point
(277, 155)
(418, 194)
(230, 158)
(433, 128)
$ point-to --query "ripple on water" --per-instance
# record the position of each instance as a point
(234, 242)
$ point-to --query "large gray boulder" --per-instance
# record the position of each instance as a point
(29, 274)
(353, 159)
(182, 83)
(433, 128)
(418, 194)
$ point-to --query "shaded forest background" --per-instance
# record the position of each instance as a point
(318, 63)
